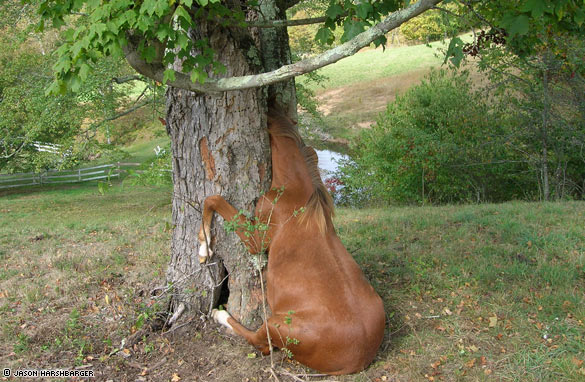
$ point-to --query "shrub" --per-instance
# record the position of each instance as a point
(440, 143)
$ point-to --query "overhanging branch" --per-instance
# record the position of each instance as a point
(122, 80)
(285, 23)
(183, 81)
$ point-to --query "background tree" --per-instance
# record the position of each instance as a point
(77, 124)
(539, 84)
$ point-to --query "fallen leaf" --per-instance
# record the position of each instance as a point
(175, 378)
(447, 311)
(473, 349)
(539, 326)
(487, 371)
(469, 364)
(493, 321)
(577, 362)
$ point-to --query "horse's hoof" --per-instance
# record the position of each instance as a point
(204, 252)
(221, 317)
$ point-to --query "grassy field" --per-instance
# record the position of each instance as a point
(371, 64)
(490, 292)
(359, 87)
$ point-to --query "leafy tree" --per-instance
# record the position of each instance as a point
(440, 142)
(215, 56)
(535, 57)
(435, 24)
(75, 123)
(26, 115)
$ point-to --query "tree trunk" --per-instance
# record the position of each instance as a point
(544, 133)
(220, 146)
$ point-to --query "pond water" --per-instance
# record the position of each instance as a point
(329, 162)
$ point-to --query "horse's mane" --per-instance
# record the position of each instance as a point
(320, 204)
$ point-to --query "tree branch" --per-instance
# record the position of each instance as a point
(94, 126)
(155, 71)
(285, 23)
(14, 152)
(121, 80)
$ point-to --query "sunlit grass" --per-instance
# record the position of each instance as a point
(370, 64)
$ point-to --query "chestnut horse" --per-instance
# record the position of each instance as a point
(324, 311)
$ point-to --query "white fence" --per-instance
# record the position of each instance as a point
(105, 171)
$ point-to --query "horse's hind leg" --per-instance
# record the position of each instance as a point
(258, 339)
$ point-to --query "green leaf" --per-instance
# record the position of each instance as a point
(203, 3)
(455, 52)
(364, 9)
(161, 7)
(198, 75)
(535, 7)
(75, 83)
(183, 41)
(188, 3)
(56, 87)
(148, 7)
(112, 27)
(149, 53)
(324, 36)
(180, 12)
(334, 11)
(352, 29)
(520, 26)
(83, 71)
(130, 17)
(163, 32)
(381, 41)
(168, 75)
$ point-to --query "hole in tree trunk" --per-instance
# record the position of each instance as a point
(224, 294)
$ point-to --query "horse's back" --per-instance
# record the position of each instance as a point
(318, 279)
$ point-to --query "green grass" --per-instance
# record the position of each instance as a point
(522, 263)
(63, 250)
(488, 292)
(144, 150)
(371, 64)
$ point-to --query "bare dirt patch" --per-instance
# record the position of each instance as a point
(368, 96)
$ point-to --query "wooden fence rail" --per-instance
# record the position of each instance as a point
(106, 171)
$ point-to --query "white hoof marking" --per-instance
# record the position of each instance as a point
(204, 252)
(221, 317)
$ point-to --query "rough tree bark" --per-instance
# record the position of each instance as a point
(220, 146)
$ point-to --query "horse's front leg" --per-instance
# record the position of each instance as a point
(216, 203)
